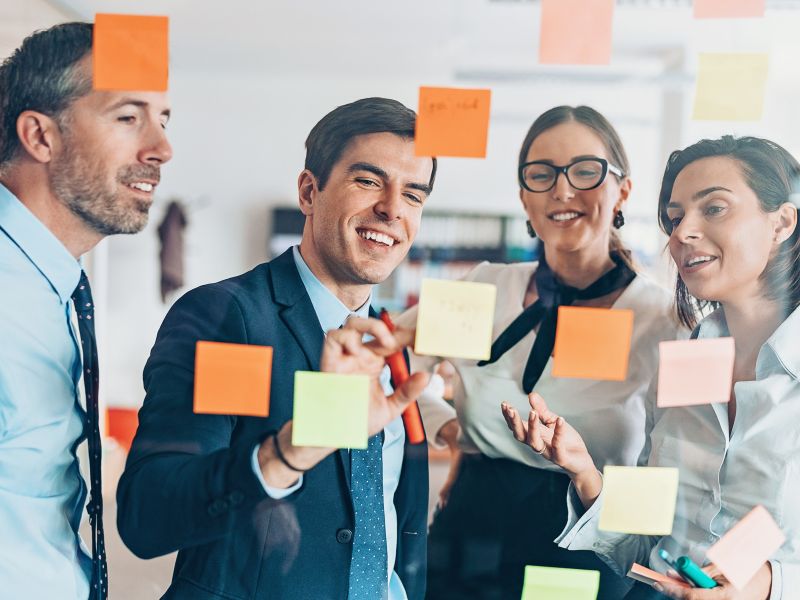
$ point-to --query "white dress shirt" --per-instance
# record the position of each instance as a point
(610, 415)
(722, 475)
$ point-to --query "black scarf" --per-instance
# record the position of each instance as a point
(552, 294)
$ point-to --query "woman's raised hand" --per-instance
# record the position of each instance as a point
(550, 435)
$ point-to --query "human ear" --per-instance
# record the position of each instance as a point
(306, 191)
(785, 222)
(38, 135)
(624, 191)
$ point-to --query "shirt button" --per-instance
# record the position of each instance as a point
(344, 536)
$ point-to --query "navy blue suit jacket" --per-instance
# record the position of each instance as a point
(189, 485)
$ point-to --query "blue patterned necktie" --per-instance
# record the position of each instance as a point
(84, 306)
(368, 567)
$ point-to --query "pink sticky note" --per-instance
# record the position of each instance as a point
(576, 32)
(728, 9)
(695, 371)
(741, 552)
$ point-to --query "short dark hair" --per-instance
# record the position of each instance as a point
(773, 174)
(331, 135)
(40, 75)
(585, 115)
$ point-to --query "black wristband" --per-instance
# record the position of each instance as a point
(281, 457)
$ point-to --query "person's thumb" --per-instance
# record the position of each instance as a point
(411, 389)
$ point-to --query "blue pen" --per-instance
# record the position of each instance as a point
(667, 558)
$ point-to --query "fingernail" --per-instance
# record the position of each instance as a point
(658, 587)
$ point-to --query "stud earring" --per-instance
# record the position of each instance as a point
(619, 219)
(531, 230)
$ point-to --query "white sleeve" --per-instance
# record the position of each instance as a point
(275, 493)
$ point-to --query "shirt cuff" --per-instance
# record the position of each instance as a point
(435, 410)
(579, 532)
(785, 580)
(274, 493)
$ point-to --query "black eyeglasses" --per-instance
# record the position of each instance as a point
(584, 174)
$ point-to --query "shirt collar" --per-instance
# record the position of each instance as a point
(782, 345)
(38, 243)
(330, 310)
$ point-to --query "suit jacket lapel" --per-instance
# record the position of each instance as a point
(300, 317)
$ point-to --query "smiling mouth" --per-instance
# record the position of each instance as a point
(699, 260)
(142, 186)
(376, 236)
(563, 217)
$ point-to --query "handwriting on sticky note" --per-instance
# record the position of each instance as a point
(648, 576)
(576, 32)
(639, 500)
(743, 550)
(730, 87)
(592, 343)
(551, 583)
(130, 52)
(695, 371)
(330, 410)
(455, 319)
(452, 122)
(232, 379)
(729, 9)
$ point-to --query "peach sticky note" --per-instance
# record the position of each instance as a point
(729, 9)
(730, 87)
(330, 410)
(592, 343)
(551, 583)
(576, 32)
(455, 319)
(746, 546)
(130, 52)
(695, 371)
(639, 500)
(232, 379)
(648, 576)
(452, 122)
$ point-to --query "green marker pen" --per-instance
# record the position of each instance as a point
(689, 569)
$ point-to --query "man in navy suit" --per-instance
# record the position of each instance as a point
(251, 515)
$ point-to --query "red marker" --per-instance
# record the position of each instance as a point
(399, 369)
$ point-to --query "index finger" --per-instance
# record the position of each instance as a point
(374, 327)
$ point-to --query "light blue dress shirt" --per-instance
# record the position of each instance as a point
(332, 314)
(724, 474)
(42, 493)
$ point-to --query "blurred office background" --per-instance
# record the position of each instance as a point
(249, 79)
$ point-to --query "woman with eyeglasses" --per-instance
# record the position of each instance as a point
(728, 208)
(573, 176)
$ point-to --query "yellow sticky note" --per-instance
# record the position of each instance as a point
(592, 343)
(576, 32)
(455, 319)
(695, 371)
(330, 410)
(741, 552)
(130, 52)
(729, 9)
(232, 379)
(639, 500)
(551, 583)
(730, 87)
(452, 122)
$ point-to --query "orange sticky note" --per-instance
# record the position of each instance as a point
(695, 371)
(746, 547)
(232, 379)
(729, 9)
(648, 576)
(576, 32)
(592, 343)
(130, 52)
(452, 122)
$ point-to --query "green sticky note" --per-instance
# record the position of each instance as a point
(550, 583)
(330, 410)
(639, 500)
